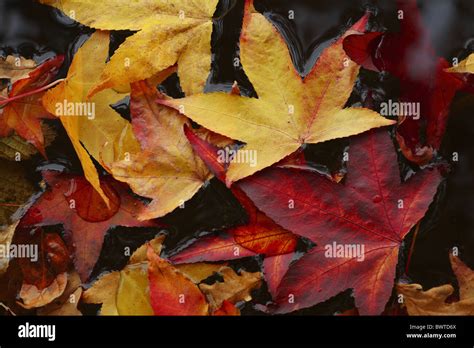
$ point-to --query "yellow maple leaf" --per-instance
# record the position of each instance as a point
(105, 134)
(169, 32)
(290, 111)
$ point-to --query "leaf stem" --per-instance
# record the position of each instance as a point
(412, 247)
(41, 89)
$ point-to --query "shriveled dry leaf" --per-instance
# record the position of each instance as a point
(15, 148)
(15, 68)
(433, 301)
(234, 288)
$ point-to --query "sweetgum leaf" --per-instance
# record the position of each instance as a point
(290, 110)
(371, 209)
(74, 203)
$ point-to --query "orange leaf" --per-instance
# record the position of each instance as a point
(171, 292)
(23, 114)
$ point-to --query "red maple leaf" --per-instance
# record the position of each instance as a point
(22, 111)
(74, 203)
(410, 57)
(373, 209)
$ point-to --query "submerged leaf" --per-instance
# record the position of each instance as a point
(74, 203)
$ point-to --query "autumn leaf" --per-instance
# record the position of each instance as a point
(45, 270)
(22, 111)
(104, 291)
(259, 236)
(74, 203)
(44, 265)
(167, 33)
(465, 66)
(15, 148)
(15, 190)
(126, 292)
(133, 297)
(15, 68)
(166, 170)
(171, 292)
(410, 57)
(93, 127)
(274, 269)
(234, 287)
(227, 309)
(373, 210)
(290, 111)
(433, 301)
(6, 236)
(33, 297)
(66, 304)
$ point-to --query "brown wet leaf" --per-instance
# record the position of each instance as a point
(234, 288)
(15, 148)
(433, 301)
(15, 68)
